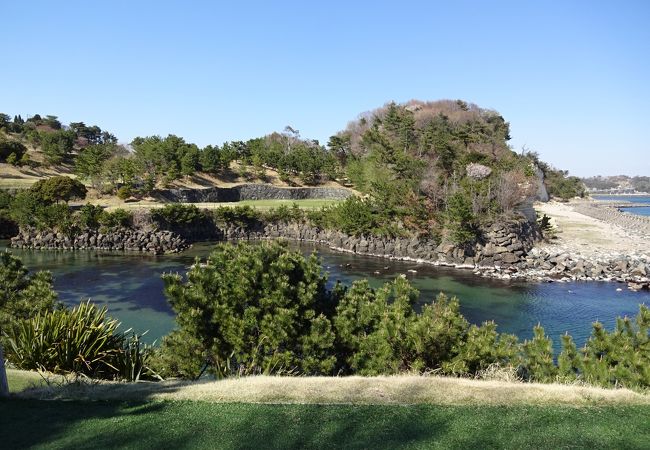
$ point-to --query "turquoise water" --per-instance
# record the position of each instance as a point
(130, 285)
(641, 211)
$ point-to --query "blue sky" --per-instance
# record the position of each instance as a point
(571, 77)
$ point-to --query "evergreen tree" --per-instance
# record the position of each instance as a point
(537, 363)
(22, 295)
(255, 309)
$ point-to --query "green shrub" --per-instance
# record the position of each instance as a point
(482, 348)
(124, 192)
(618, 358)
(56, 217)
(81, 340)
(460, 219)
(379, 332)
(264, 309)
(177, 214)
(243, 216)
(29, 209)
(134, 361)
(117, 218)
(59, 188)
(8, 148)
(252, 309)
(537, 359)
(560, 185)
(25, 208)
(353, 216)
(22, 295)
(90, 215)
(283, 213)
(182, 355)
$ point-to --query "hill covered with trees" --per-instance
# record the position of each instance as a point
(440, 169)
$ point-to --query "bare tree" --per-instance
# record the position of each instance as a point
(512, 189)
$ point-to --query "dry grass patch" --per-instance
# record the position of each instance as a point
(385, 390)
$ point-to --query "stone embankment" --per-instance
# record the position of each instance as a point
(610, 214)
(562, 265)
(504, 244)
(613, 247)
(251, 191)
(157, 242)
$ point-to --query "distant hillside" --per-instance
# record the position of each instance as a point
(618, 184)
(438, 168)
(39, 147)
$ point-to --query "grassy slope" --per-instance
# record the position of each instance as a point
(113, 204)
(387, 390)
(28, 423)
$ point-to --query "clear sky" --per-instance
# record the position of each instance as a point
(571, 77)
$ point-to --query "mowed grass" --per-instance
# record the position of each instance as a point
(302, 412)
(258, 204)
(17, 183)
(196, 425)
(19, 380)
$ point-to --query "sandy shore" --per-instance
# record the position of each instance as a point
(578, 233)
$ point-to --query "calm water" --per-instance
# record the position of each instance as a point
(130, 285)
(641, 211)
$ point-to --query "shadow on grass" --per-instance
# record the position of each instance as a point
(73, 424)
(114, 424)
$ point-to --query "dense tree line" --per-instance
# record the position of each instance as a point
(251, 309)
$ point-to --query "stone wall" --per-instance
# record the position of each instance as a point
(631, 222)
(250, 192)
(157, 242)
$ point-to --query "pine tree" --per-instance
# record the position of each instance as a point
(537, 359)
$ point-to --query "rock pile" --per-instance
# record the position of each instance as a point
(558, 265)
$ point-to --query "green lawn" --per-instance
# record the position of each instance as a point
(259, 204)
(68, 424)
(266, 204)
(20, 380)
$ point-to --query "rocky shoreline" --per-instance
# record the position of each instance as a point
(558, 265)
(508, 250)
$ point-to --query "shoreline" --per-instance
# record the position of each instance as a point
(593, 243)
